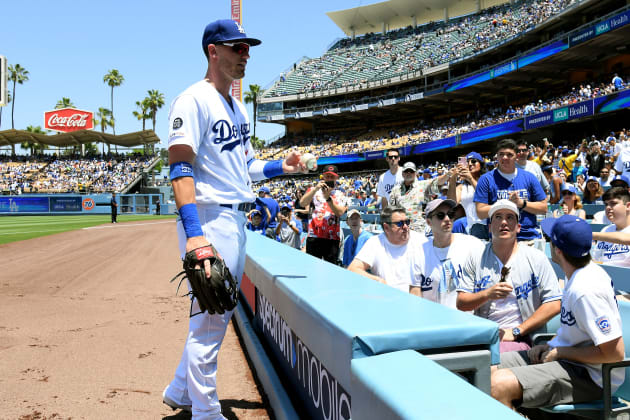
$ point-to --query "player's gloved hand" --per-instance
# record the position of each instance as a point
(216, 291)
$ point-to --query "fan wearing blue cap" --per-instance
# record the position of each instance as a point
(571, 203)
(212, 168)
(590, 332)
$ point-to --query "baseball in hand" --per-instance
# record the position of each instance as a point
(310, 161)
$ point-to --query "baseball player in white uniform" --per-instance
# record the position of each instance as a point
(212, 166)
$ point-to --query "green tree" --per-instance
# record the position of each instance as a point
(64, 103)
(18, 75)
(105, 119)
(251, 96)
(113, 79)
(257, 143)
(144, 114)
(155, 101)
(33, 145)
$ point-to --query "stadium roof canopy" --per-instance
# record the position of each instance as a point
(76, 138)
(394, 14)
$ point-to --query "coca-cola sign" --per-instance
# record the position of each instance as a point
(68, 119)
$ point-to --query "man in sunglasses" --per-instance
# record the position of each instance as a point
(388, 255)
(212, 167)
(438, 267)
(390, 178)
(509, 283)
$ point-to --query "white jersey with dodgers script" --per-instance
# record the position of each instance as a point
(531, 274)
(218, 133)
(590, 317)
(438, 271)
(387, 181)
(612, 254)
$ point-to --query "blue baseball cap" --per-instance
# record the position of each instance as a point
(225, 30)
(427, 171)
(475, 155)
(620, 178)
(571, 234)
(592, 178)
(265, 190)
(567, 187)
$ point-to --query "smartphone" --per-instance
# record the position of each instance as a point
(462, 160)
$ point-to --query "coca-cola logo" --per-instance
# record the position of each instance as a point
(68, 119)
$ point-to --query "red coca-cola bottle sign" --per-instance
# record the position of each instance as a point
(68, 119)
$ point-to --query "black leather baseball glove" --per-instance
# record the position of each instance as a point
(216, 294)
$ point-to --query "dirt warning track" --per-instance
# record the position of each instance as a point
(90, 328)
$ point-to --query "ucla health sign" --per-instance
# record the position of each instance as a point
(566, 113)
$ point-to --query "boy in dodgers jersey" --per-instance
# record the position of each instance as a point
(212, 166)
(617, 210)
(568, 368)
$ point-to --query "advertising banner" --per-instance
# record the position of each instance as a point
(377, 154)
(612, 102)
(334, 160)
(541, 53)
(320, 392)
(359, 107)
(23, 204)
(435, 145)
(581, 109)
(73, 204)
(499, 130)
(66, 120)
(583, 35)
(504, 69)
(539, 120)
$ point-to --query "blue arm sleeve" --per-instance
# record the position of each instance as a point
(260, 169)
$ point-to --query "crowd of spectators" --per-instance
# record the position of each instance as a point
(378, 56)
(426, 131)
(52, 174)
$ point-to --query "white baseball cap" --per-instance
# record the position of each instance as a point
(352, 212)
(503, 205)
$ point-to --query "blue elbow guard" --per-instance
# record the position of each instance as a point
(273, 168)
(190, 220)
(180, 169)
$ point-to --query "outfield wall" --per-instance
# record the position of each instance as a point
(346, 345)
(67, 204)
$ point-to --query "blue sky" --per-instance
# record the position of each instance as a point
(68, 47)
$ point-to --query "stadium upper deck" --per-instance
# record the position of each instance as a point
(374, 57)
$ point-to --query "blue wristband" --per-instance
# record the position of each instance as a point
(180, 169)
(273, 168)
(190, 220)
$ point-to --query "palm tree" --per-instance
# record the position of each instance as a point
(33, 145)
(113, 79)
(64, 103)
(18, 75)
(155, 101)
(1, 107)
(252, 97)
(144, 114)
(104, 119)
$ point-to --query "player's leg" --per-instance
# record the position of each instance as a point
(225, 230)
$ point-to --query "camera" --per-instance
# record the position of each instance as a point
(331, 184)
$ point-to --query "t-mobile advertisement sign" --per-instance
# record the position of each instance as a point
(322, 395)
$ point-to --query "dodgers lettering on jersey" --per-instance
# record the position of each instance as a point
(609, 250)
(525, 289)
(225, 133)
(566, 317)
(218, 132)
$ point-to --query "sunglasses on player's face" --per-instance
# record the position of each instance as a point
(238, 47)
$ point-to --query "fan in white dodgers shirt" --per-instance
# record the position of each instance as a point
(388, 255)
(617, 210)
(390, 178)
(508, 282)
(590, 332)
(437, 270)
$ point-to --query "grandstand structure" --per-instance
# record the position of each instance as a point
(430, 85)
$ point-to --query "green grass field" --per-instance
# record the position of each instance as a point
(18, 228)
